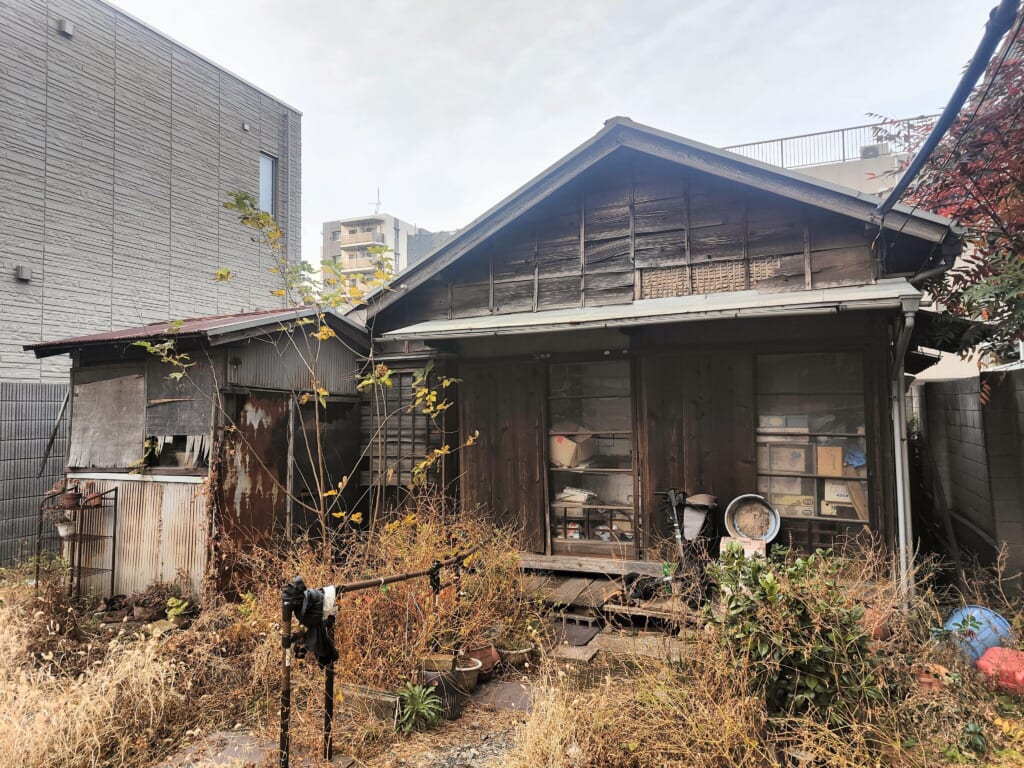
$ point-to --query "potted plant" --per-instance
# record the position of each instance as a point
(487, 653)
(517, 645)
(179, 610)
(63, 519)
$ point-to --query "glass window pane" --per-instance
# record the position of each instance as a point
(268, 183)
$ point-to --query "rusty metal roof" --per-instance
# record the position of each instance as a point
(210, 327)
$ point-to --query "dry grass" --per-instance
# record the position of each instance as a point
(72, 695)
(705, 711)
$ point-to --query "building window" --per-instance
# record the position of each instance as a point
(335, 235)
(353, 231)
(590, 454)
(812, 449)
(268, 183)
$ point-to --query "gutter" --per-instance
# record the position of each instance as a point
(1000, 21)
(904, 525)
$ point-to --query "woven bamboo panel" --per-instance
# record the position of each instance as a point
(710, 277)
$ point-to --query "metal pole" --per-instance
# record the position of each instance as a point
(286, 687)
(329, 696)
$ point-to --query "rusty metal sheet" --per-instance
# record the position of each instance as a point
(254, 460)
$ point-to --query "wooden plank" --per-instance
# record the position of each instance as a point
(661, 215)
(557, 292)
(598, 592)
(568, 590)
(840, 266)
(724, 241)
(595, 565)
(608, 255)
(471, 300)
(513, 296)
(807, 256)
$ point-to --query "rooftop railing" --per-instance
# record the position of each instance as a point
(839, 146)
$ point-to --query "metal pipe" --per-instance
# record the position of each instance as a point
(999, 22)
(286, 684)
(899, 426)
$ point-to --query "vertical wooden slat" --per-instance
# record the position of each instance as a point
(807, 255)
(583, 250)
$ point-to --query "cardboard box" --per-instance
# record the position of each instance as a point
(831, 509)
(751, 547)
(838, 491)
(830, 460)
(571, 451)
(771, 421)
(786, 457)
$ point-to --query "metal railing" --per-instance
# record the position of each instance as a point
(839, 146)
(360, 238)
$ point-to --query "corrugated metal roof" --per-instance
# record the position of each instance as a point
(209, 326)
(890, 293)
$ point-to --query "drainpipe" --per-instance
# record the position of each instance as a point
(904, 528)
(999, 22)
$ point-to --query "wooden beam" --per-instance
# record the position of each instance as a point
(686, 232)
(807, 255)
(599, 565)
(583, 250)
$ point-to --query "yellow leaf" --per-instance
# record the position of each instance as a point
(331, 492)
(278, 292)
(339, 515)
(304, 398)
(357, 517)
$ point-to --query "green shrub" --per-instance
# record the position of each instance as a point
(797, 633)
(420, 708)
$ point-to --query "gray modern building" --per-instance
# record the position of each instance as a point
(117, 147)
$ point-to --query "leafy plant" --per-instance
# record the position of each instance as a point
(420, 708)
(797, 633)
(176, 606)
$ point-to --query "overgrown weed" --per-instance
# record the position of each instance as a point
(76, 693)
(720, 704)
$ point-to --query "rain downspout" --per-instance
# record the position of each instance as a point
(904, 528)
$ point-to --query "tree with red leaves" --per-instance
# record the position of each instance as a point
(976, 176)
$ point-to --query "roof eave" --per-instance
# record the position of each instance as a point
(623, 132)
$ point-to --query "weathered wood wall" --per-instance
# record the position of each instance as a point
(506, 471)
(695, 416)
(635, 227)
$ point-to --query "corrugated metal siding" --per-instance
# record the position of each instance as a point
(27, 412)
(266, 364)
(162, 531)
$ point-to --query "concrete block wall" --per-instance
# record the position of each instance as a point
(117, 146)
(978, 446)
(27, 415)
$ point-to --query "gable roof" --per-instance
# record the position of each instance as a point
(623, 132)
(214, 329)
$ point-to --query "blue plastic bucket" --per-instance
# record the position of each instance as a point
(974, 641)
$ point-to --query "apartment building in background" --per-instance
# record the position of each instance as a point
(117, 147)
(349, 241)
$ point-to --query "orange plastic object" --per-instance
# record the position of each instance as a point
(1005, 667)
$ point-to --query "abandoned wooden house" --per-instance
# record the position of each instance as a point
(142, 440)
(650, 312)
(647, 313)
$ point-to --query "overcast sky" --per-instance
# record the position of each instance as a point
(449, 106)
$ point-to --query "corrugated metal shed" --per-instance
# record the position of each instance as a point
(162, 532)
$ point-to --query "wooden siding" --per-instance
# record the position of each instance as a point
(637, 227)
(506, 471)
(697, 430)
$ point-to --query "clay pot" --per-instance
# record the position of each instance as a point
(71, 499)
(488, 656)
(467, 671)
(515, 657)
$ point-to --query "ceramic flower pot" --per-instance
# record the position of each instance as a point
(516, 657)
(488, 656)
(467, 671)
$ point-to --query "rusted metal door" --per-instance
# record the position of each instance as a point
(253, 469)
